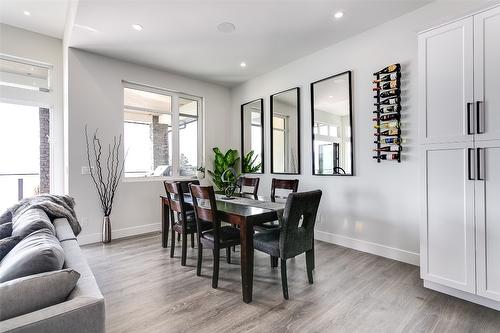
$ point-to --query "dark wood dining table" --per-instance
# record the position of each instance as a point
(246, 216)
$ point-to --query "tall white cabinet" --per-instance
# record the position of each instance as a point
(459, 102)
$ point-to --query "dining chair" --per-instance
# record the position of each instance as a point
(248, 182)
(295, 236)
(185, 224)
(283, 186)
(217, 238)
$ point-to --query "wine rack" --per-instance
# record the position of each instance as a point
(387, 85)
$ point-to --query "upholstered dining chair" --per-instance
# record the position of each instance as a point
(247, 182)
(295, 236)
(185, 223)
(217, 238)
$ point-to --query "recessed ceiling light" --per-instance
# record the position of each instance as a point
(226, 27)
(27, 13)
(243, 64)
(137, 27)
(338, 15)
(330, 96)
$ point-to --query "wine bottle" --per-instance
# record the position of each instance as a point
(387, 141)
(388, 148)
(389, 69)
(391, 124)
(388, 85)
(390, 101)
(388, 117)
(390, 108)
(389, 132)
(390, 93)
(388, 77)
(387, 157)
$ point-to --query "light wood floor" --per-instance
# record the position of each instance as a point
(147, 291)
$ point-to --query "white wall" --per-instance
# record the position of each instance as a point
(96, 99)
(26, 44)
(377, 210)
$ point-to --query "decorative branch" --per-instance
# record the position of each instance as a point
(105, 171)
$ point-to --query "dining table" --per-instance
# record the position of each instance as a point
(245, 212)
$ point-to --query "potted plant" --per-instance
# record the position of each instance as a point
(248, 165)
(105, 172)
(223, 162)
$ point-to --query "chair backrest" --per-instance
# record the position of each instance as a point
(203, 195)
(297, 225)
(283, 184)
(248, 182)
(175, 196)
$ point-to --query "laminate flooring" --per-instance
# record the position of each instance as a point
(147, 291)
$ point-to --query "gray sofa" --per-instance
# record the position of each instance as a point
(82, 312)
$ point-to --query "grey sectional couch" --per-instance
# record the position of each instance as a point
(82, 312)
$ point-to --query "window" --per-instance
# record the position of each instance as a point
(280, 144)
(256, 128)
(162, 132)
(25, 163)
(23, 73)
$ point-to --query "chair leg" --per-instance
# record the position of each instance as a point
(178, 237)
(228, 255)
(215, 274)
(172, 244)
(192, 240)
(310, 265)
(284, 281)
(274, 261)
(200, 259)
(184, 249)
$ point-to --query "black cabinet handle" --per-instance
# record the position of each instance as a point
(478, 158)
(469, 164)
(469, 132)
(478, 118)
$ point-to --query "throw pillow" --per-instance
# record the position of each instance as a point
(7, 244)
(37, 253)
(31, 220)
(5, 230)
(34, 292)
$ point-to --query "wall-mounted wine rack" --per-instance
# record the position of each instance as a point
(387, 85)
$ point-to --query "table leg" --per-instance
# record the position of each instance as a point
(164, 224)
(246, 252)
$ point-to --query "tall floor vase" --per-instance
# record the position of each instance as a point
(106, 229)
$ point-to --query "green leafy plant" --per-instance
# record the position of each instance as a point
(222, 162)
(248, 163)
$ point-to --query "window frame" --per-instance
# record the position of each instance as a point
(33, 63)
(175, 114)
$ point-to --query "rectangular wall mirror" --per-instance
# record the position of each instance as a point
(252, 137)
(331, 106)
(285, 132)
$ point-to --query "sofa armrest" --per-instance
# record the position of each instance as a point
(81, 314)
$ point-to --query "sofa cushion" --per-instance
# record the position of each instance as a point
(7, 244)
(5, 230)
(31, 220)
(34, 292)
(37, 253)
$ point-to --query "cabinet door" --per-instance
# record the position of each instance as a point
(488, 220)
(487, 74)
(447, 240)
(446, 83)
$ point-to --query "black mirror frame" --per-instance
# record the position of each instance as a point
(262, 133)
(298, 131)
(349, 74)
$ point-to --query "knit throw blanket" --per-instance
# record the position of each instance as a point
(56, 206)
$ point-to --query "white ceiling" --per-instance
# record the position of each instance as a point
(182, 37)
(48, 17)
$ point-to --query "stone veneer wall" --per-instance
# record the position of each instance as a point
(44, 117)
(159, 134)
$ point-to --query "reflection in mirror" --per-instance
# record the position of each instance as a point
(332, 125)
(285, 134)
(252, 136)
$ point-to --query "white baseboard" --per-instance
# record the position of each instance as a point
(120, 233)
(412, 258)
(463, 295)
